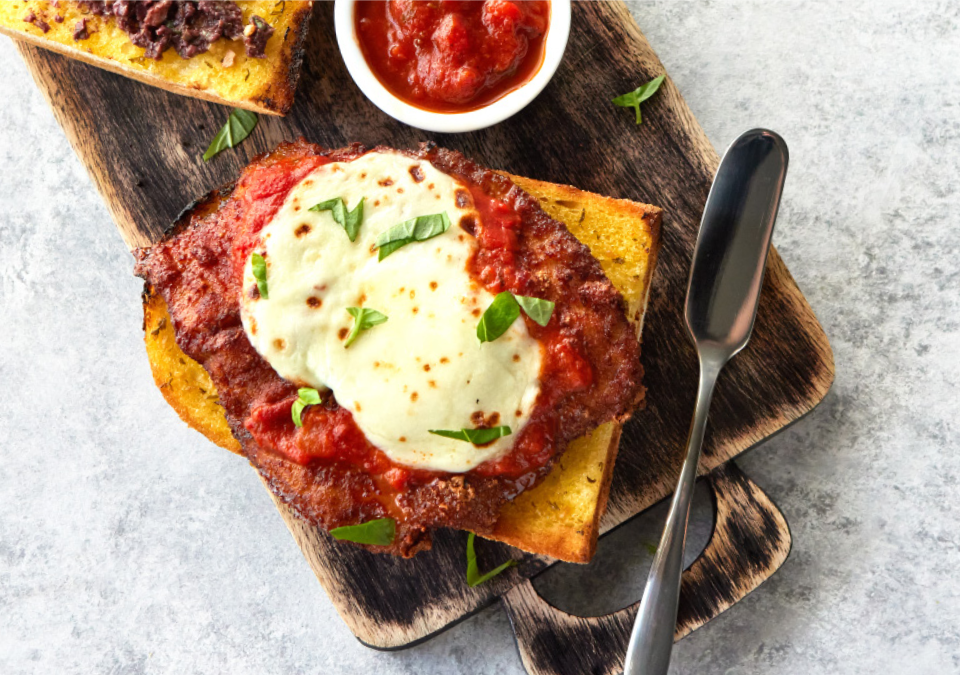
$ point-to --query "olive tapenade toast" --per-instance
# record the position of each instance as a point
(597, 315)
(245, 54)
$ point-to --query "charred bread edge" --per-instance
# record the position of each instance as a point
(275, 99)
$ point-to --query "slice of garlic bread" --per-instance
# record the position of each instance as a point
(560, 516)
(224, 74)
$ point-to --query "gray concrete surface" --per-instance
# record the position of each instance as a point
(129, 545)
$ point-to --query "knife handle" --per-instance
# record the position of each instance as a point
(651, 641)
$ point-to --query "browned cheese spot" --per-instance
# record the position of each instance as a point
(399, 191)
(426, 367)
(431, 186)
(444, 359)
(433, 285)
(363, 175)
(296, 207)
(279, 344)
(417, 173)
(403, 439)
(308, 182)
(414, 396)
(516, 358)
(376, 203)
(413, 294)
(386, 182)
(483, 421)
(342, 333)
(302, 230)
(469, 225)
(476, 311)
(432, 383)
(416, 310)
(519, 413)
(464, 200)
(356, 404)
(314, 302)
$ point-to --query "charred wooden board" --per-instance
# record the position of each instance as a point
(142, 147)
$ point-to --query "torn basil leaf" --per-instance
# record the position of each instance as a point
(238, 127)
(500, 315)
(475, 436)
(378, 532)
(259, 266)
(634, 98)
(474, 578)
(305, 397)
(348, 220)
(363, 319)
(538, 310)
(420, 228)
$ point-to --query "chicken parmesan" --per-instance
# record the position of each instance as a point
(394, 336)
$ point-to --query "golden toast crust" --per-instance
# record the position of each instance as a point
(264, 85)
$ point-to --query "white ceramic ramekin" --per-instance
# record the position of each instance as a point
(494, 113)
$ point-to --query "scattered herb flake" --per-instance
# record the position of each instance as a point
(378, 532)
(238, 127)
(363, 319)
(259, 266)
(420, 228)
(475, 436)
(305, 397)
(538, 310)
(498, 317)
(474, 578)
(348, 220)
(634, 98)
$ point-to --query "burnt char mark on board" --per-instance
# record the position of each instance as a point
(148, 167)
(749, 543)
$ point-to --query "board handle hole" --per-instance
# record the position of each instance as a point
(618, 572)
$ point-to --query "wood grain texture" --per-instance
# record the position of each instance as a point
(148, 167)
(749, 543)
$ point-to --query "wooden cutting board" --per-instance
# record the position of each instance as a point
(142, 147)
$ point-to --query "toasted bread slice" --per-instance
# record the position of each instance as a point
(558, 518)
(264, 85)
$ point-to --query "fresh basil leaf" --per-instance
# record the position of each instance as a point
(500, 315)
(420, 228)
(538, 310)
(363, 319)
(259, 266)
(305, 397)
(474, 578)
(348, 220)
(475, 436)
(634, 98)
(238, 127)
(378, 532)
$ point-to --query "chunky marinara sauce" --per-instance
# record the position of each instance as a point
(452, 56)
(329, 432)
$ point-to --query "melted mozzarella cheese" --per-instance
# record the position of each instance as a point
(424, 368)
